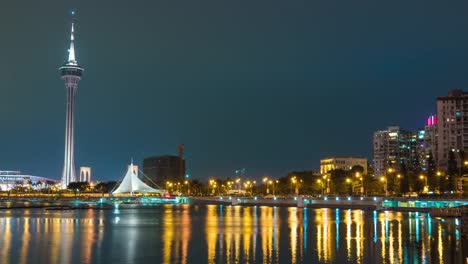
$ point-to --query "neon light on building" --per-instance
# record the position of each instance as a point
(431, 120)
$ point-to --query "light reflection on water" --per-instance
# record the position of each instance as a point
(227, 234)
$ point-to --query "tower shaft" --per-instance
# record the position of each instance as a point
(68, 175)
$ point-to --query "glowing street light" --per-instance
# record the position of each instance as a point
(361, 178)
(384, 180)
(322, 184)
(294, 181)
(265, 180)
(426, 188)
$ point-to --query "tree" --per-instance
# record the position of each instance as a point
(19, 186)
(431, 173)
(340, 185)
(49, 183)
(404, 182)
(452, 171)
(357, 168)
(196, 187)
(80, 186)
(30, 184)
(105, 187)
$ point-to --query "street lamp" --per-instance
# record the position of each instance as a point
(384, 180)
(360, 177)
(322, 184)
(422, 177)
(462, 175)
(348, 180)
(327, 182)
(265, 180)
(188, 187)
(294, 181)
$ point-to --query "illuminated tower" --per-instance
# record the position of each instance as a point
(71, 74)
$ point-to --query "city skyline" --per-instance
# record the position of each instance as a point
(255, 105)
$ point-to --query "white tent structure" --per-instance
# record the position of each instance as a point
(132, 184)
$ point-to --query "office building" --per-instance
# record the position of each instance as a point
(161, 169)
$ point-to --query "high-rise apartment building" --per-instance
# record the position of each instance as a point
(428, 145)
(386, 149)
(452, 126)
(394, 147)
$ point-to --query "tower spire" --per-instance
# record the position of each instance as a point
(71, 50)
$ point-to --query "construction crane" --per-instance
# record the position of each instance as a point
(180, 149)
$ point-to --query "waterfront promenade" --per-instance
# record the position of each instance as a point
(99, 201)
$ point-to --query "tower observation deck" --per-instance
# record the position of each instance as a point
(71, 74)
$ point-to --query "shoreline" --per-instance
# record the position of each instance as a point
(107, 203)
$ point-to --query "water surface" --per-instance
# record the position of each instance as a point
(227, 234)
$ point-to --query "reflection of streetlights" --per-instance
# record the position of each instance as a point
(384, 180)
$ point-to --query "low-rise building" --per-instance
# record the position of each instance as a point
(11, 179)
(342, 162)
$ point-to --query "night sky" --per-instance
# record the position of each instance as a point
(267, 85)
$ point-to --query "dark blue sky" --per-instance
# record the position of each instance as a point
(270, 86)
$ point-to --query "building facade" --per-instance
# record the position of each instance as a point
(430, 137)
(343, 163)
(161, 169)
(386, 149)
(394, 147)
(452, 126)
(11, 179)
